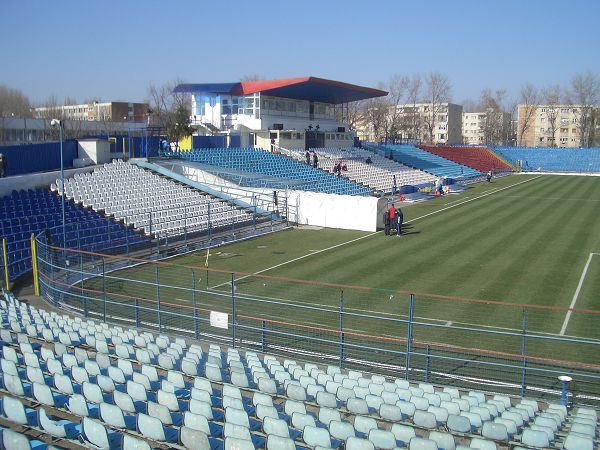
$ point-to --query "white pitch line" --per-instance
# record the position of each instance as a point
(572, 305)
(377, 232)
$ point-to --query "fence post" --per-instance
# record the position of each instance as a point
(5, 259)
(104, 288)
(158, 299)
(523, 355)
(209, 224)
(185, 226)
(137, 312)
(411, 311)
(342, 329)
(196, 327)
(233, 319)
(34, 265)
(427, 359)
(263, 337)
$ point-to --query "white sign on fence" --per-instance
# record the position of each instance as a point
(219, 319)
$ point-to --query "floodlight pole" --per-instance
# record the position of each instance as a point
(62, 181)
(53, 123)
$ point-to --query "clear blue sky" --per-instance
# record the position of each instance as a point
(114, 49)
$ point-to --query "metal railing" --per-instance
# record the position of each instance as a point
(420, 337)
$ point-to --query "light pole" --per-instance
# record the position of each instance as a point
(57, 123)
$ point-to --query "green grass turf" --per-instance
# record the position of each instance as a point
(525, 243)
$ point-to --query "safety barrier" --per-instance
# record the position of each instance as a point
(421, 336)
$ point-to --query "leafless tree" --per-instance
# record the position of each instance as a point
(13, 103)
(529, 100)
(437, 93)
(351, 113)
(412, 117)
(585, 93)
(164, 103)
(551, 97)
(375, 117)
(496, 123)
(397, 88)
(252, 77)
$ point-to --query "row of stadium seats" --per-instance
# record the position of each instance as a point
(552, 159)
(113, 387)
(420, 159)
(378, 174)
(148, 201)
(478, 158)
(24, 213)
(258, 161)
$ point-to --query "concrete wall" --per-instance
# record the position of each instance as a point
(36, 180)
(96, 150)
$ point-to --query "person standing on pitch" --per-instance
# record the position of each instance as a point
(399, 220)
(392, 214)
(386, 223)
(307, 156)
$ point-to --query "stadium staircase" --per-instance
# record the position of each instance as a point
(478, 158)
(71, 381)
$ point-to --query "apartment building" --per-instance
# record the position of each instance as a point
(486, 128)
(551, 125)
(96, 111)
(441, 124)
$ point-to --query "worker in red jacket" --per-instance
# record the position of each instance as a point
(392, 214)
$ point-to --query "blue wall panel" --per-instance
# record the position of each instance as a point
(23, 159)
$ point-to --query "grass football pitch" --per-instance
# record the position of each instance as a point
(473, 260)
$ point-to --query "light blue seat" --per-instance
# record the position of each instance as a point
(113, 416)
(575, 441)
(495, 431)
(483, 444)
(196, 440)
(381, 439)
(153, 428)
(355, 443)
(14, 411)
(131, 443)
(11, 440)
(94, 433)
(444, 441)
(314, 436)
(418, 443)
(58, 428)
(43, 394)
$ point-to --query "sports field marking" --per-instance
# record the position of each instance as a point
(576, 295)
(493, 191)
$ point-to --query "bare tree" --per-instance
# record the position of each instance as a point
(529, 101)
(437, 92)
(412, 117)
(164, 103)
(551, 97)
(374, 116)
(13, 103)
(495, 124)
(252, 77)
(397, 88)
(350, 113)
(585, 92)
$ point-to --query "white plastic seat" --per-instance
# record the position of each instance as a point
(275, 442)
(113, 416)
(193, 439)
(276, 427)
(354, 443)
(382, 439)
(152, 428)
(494, 431)
(314, 436)
(300, 420)
(444, 441)
(364, 424)
(418, 443)
(403, 433)
(94, 433)
(483, 444)
(424, 419)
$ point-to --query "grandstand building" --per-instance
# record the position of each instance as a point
(96, 111)
(292, 113)
(550, 125)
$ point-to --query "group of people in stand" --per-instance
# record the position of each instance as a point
(339, 167)
(315, 163)
(393, 219)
